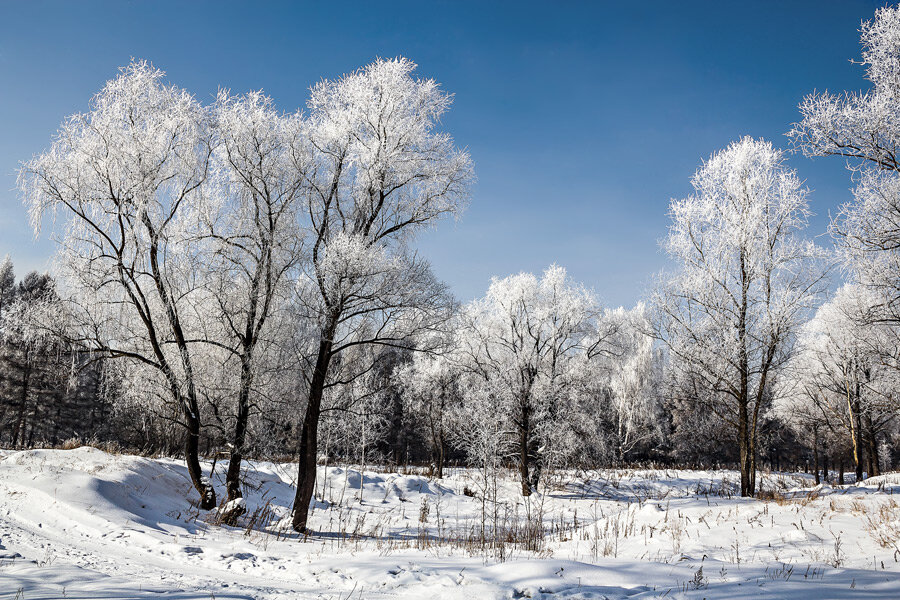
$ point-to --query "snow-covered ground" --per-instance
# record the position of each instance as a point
(86, 524)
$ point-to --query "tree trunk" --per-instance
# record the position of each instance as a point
(856, 435)
(397, 427)
(620, 448)
(31, 430)
(23, 405)
(857, 452)
(841, 472)
(524, 459)
(192, 458)
(872, 447)
(236, 455)
(537, 470)
(442, 454)
(744, 435)
(438, 450)
(437, 447)
(745, 451)
(753, 463)
(57, 421)
(187, 398)
(306, 476)
(816, 455)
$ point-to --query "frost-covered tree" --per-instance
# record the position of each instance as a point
(860, 125)
(523, 343)
(7, 283)
(31, 362)
(354, 413)
(7, 295)
(48, 390)
(634, 379)
(430, 384)
(121, 180)
(250, 247)
(837, 380)
(378, 171)
(745, 279)
(864, 127)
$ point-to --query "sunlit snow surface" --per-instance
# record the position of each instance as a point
(86, 524)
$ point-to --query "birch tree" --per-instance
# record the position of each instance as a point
(7, 284)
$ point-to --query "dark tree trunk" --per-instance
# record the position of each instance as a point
(306, 476)
(192, 458)
(236, 455)
(753, 464)
(54, 433)
(397, 426)
(872, 447)
(746, 452)
(435, 426)
(856, 424)
(441, 436)
(442, 454)
(19, 430)
(841, 471)
(816, 456)
(187, 398)
(745, 445)
(31, 431)
(438, 450)
(524, 458)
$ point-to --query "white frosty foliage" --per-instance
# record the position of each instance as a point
(865, 126)
(745, 282)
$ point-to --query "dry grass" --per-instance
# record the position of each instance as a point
(883, 524)
(74, 443)
(784, 499)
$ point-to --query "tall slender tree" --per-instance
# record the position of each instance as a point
(377, 173)
(744, 282)
(250, 244)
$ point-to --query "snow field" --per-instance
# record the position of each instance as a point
(86, 524)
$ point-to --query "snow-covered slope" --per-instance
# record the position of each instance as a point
(86, 524)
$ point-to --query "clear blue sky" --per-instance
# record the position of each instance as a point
(583, 119)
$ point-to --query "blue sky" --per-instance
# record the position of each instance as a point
(583, 119)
